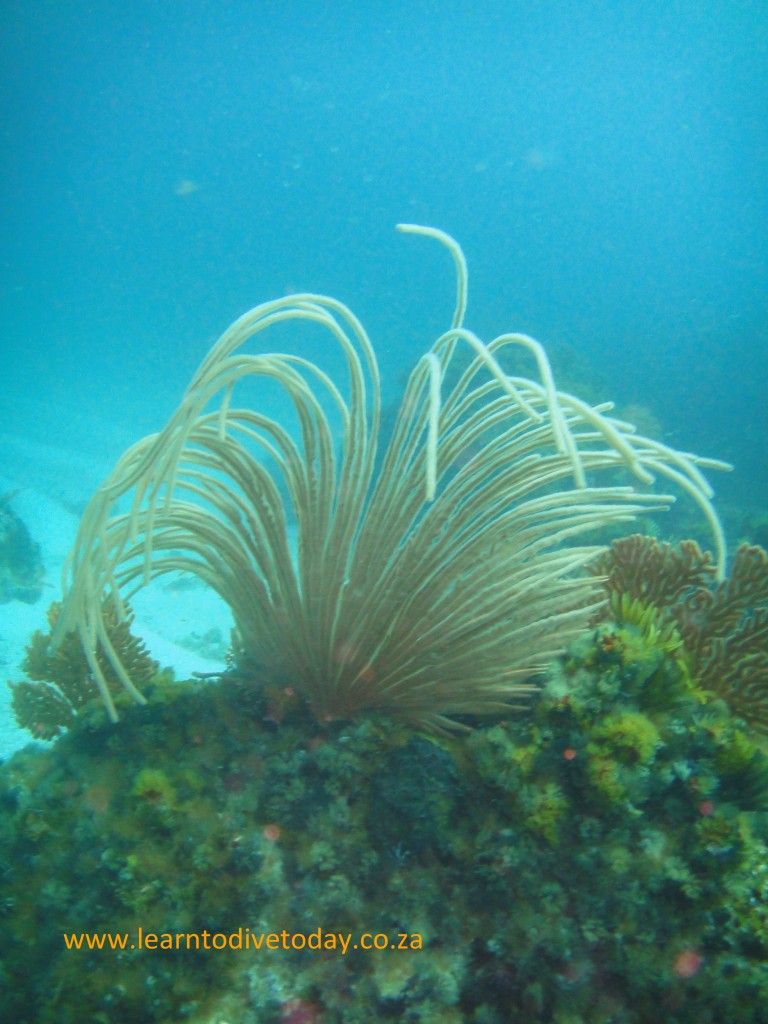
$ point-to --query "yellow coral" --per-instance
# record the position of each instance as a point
(629, 736)
(735, 753)
(154, 787)
(603, 773)
(653, 630)
(546, 807)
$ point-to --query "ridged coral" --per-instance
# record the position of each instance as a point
(723, 627)
(60, 685)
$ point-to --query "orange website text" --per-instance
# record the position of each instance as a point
(243, 938)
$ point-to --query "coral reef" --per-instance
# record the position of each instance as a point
(722, 628)
(600, 860)
(62, 687)
(430, 573)
(21, 568)
(653, 571)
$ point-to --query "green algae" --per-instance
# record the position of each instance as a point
(573, 866)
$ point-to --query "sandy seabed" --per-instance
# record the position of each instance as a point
(52, 474)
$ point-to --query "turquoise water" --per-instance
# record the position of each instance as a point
(167, 166)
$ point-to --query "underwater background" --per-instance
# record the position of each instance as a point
(168, 165)
(165, 167)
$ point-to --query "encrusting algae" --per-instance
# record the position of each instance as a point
(596, 860)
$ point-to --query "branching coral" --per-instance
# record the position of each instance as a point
(652, 572)
(430, 580)
(62, 683)
(725, 631)
(723, 626)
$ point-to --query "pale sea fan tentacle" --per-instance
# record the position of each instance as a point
(431, 583)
